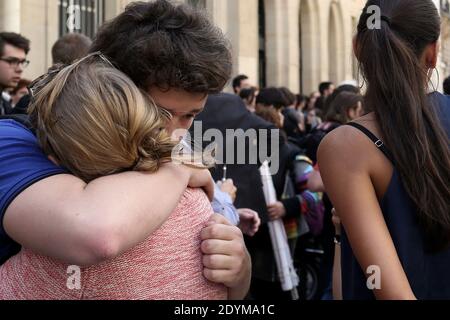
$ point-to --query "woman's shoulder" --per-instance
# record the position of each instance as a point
(347, 145)
(341, 140)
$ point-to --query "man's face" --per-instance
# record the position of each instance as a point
(10, 73)
(245, 84)
(182, 105)
(330, 90)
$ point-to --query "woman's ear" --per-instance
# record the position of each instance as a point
(430, 56)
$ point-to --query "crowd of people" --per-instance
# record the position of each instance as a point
(303, 122)
(89, 176)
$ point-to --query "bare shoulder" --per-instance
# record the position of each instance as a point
(349, 145)
(343, 146)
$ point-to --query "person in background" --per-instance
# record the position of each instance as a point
(302, 102)
(447, 86)
(291, 206)
(326, 89)
(249, 97)
(66, 50)
(311, 103)
(313, 119)
(224, 112)
(270, 97)
(248, 219)
(241, 82)
(344, 107)
(292, 121)
(342, 88)
(71, 47)
(14, 49)
(20, 91)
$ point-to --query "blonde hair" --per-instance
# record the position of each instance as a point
(95, 121)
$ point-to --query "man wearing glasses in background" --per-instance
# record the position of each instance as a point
(13, 53)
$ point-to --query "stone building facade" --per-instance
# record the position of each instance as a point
(292, 43)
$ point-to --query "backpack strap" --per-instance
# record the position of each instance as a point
(378, 142)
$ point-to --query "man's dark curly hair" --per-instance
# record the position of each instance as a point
(170, 46)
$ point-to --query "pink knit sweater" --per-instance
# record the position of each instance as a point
(167, 266)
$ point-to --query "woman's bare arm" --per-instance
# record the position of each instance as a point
(344, 165)
(81, 224)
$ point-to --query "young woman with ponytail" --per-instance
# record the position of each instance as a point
(388, 172)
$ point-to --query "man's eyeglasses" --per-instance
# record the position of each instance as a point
(14, 62)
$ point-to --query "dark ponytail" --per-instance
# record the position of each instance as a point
(390, 61)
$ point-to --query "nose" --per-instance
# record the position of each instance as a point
(18, 69)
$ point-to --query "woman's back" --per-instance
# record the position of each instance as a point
(426, 272)
(397, 56)
(167, 266)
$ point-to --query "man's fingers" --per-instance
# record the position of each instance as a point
(218, 262)
(219, 219)
(220, 232)
(218, 276)
(272, 214)
(246, 215)
(257, 223)
(227, 248)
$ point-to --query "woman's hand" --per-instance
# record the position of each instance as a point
(276, 211)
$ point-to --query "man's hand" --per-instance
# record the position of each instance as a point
(249, 221)
(226, 259)
(228, 187)
(201, 178)
(276, 211)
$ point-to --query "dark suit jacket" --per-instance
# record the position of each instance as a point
(5, 106)
(226, 111)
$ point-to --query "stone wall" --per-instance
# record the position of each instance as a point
(306, 41)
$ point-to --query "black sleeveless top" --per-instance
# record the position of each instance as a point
(428, 274)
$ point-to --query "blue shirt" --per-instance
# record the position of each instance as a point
(223, 205)
(22, 163)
